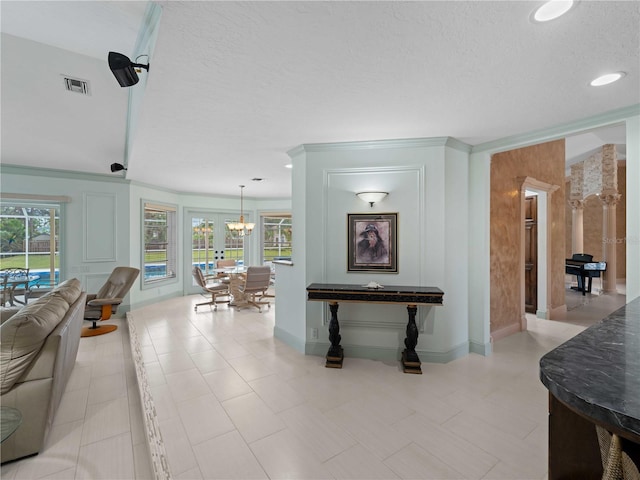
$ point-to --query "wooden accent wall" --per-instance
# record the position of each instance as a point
(545, 163)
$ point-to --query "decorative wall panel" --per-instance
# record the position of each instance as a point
(99, 232)
(92, 282)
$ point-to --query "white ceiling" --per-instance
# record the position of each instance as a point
(234, 85)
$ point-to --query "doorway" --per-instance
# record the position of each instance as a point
(539, 246)
(208, 240)
(531, 252)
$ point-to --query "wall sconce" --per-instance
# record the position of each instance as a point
(371, 197)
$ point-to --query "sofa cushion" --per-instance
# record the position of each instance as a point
(69, 290)
(22, 336)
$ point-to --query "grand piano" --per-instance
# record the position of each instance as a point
(583, 267)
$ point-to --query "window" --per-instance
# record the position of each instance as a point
(276, 237)
(30, 238)
(160, 243)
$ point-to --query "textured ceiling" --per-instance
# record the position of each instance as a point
(234, 85)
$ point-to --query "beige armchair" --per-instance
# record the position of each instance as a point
(102, 305)
(215, 289)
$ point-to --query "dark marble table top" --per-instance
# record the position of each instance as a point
(386, 294)
(597, 372)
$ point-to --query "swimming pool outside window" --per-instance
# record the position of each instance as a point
(30, 238)
(160, 235)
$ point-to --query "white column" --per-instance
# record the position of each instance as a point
(609, 241)
(577, 226)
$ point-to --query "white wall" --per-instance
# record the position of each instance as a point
(479, 259)
(101, 225)
(426, 181)
(633, 208)
(291, 326)
(89, 254)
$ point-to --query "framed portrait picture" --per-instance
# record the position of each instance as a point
(372, 242)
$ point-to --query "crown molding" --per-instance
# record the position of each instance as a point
(458, 145)
(376, 144)
(9, 169)
(558, 131)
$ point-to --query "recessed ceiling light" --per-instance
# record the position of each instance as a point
(607, 79)
(552, 10)
(288, 165)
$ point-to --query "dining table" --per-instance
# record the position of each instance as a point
(236, 277)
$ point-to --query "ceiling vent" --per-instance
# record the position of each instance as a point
(77, 85)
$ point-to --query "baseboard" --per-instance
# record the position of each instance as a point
(558, 313)
(151, 301)
(388, 353)
(289, 339)
(458, 351)
(505, 331)
(542, 314)
(484, 349)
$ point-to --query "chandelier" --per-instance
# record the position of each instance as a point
(242, 228)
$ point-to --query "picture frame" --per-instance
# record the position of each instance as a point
(372, 242)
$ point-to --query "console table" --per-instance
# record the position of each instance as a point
(410, 296)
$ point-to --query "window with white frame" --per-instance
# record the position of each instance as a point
(30, 239)
(160, 238)
(276, 237)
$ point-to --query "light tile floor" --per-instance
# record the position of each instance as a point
(235, 403)
(97, 432)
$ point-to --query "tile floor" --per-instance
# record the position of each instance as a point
(232, 402)
(97, 432)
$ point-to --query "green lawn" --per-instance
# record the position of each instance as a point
(36, 262)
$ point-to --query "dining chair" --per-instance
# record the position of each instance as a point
(216, 289)
(256, 283)
(224, 263)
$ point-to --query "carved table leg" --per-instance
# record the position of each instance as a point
(410, 360)
(335, 354)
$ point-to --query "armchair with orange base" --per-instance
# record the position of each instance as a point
(100, 306)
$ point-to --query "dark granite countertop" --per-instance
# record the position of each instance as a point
(597, 372)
